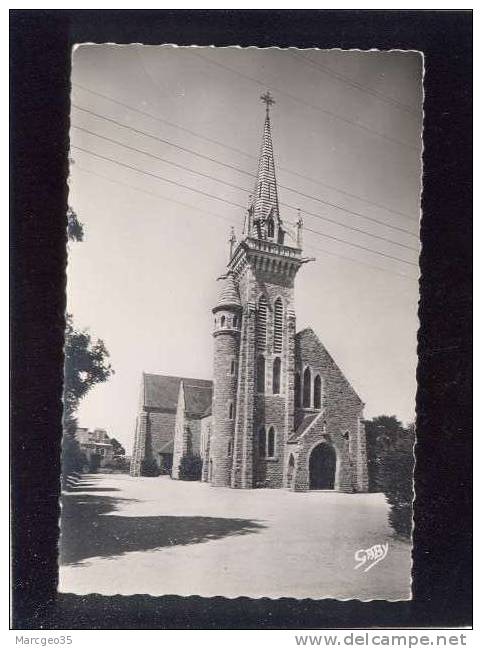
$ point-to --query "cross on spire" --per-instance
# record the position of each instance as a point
(267, 99)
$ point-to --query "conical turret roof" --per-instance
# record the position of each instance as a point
(228, 293)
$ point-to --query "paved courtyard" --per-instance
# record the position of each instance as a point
(157, 536)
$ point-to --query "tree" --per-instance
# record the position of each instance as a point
(75, 229)
(397, 479)
(390, 467)
(117, 447)
(86, 364)
(381, 434)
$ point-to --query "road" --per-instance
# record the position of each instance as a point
(157, 536)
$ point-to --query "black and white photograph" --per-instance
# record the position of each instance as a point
(241, 344)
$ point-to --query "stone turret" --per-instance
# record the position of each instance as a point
(227, 327)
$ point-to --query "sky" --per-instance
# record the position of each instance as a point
(164, 145)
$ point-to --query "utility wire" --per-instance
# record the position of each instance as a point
(218, 198)
(244, 153)
(242, 171)
(243, 189)
(306, 103)
(209, 213)
(354, 84)
(234, 220)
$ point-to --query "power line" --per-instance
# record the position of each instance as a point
(356, 245)
(148, 173)
(242, 171)
(306, 103)
(233, 220)
(243, 189)
(177, 184)
(244, 153)
(354, 84)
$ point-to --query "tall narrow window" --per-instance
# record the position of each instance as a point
(317, 392)
(281, 236)
(276, 375)
(235, 321)
(270, 227)
(271, 442)
(261, 324)
(307, 388)
(188, 440)
(230, 448)
(297, 390)
(231, 410)
(233, 366)
(278, 325)
(262, 442)
(260, 373)
(223, 321)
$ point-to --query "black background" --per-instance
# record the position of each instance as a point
(40, 70)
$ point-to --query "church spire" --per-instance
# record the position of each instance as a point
(264, 219)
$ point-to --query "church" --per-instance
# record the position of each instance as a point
(279, 412)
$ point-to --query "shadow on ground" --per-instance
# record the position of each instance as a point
(87, 532)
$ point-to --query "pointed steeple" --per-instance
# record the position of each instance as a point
(264, 218)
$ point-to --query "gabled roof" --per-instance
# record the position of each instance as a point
(311, 350)
(161, 392)
(198, 400)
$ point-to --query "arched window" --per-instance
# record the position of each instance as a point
(271, 443)
(223, 321)
(278, 325)
(231, 410)
(262, 442)
(307, 388)
(270, 227)
(262, 317)
(276, 375)
(260, 374)
(317, 392)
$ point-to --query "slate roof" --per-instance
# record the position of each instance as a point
(198, 399)
(161, 392)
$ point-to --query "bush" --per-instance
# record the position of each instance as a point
(190, 467)
(150, 468)
(390, 467)
(397, 476)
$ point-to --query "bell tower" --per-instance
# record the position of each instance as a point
(263, 267)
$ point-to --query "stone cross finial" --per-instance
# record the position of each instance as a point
(268, 100)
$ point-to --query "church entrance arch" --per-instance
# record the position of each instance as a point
(322, 467)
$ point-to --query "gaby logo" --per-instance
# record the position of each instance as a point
(371, 556)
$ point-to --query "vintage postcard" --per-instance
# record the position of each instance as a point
(242, 289)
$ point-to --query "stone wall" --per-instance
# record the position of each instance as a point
(338, 423)
(226, 348)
